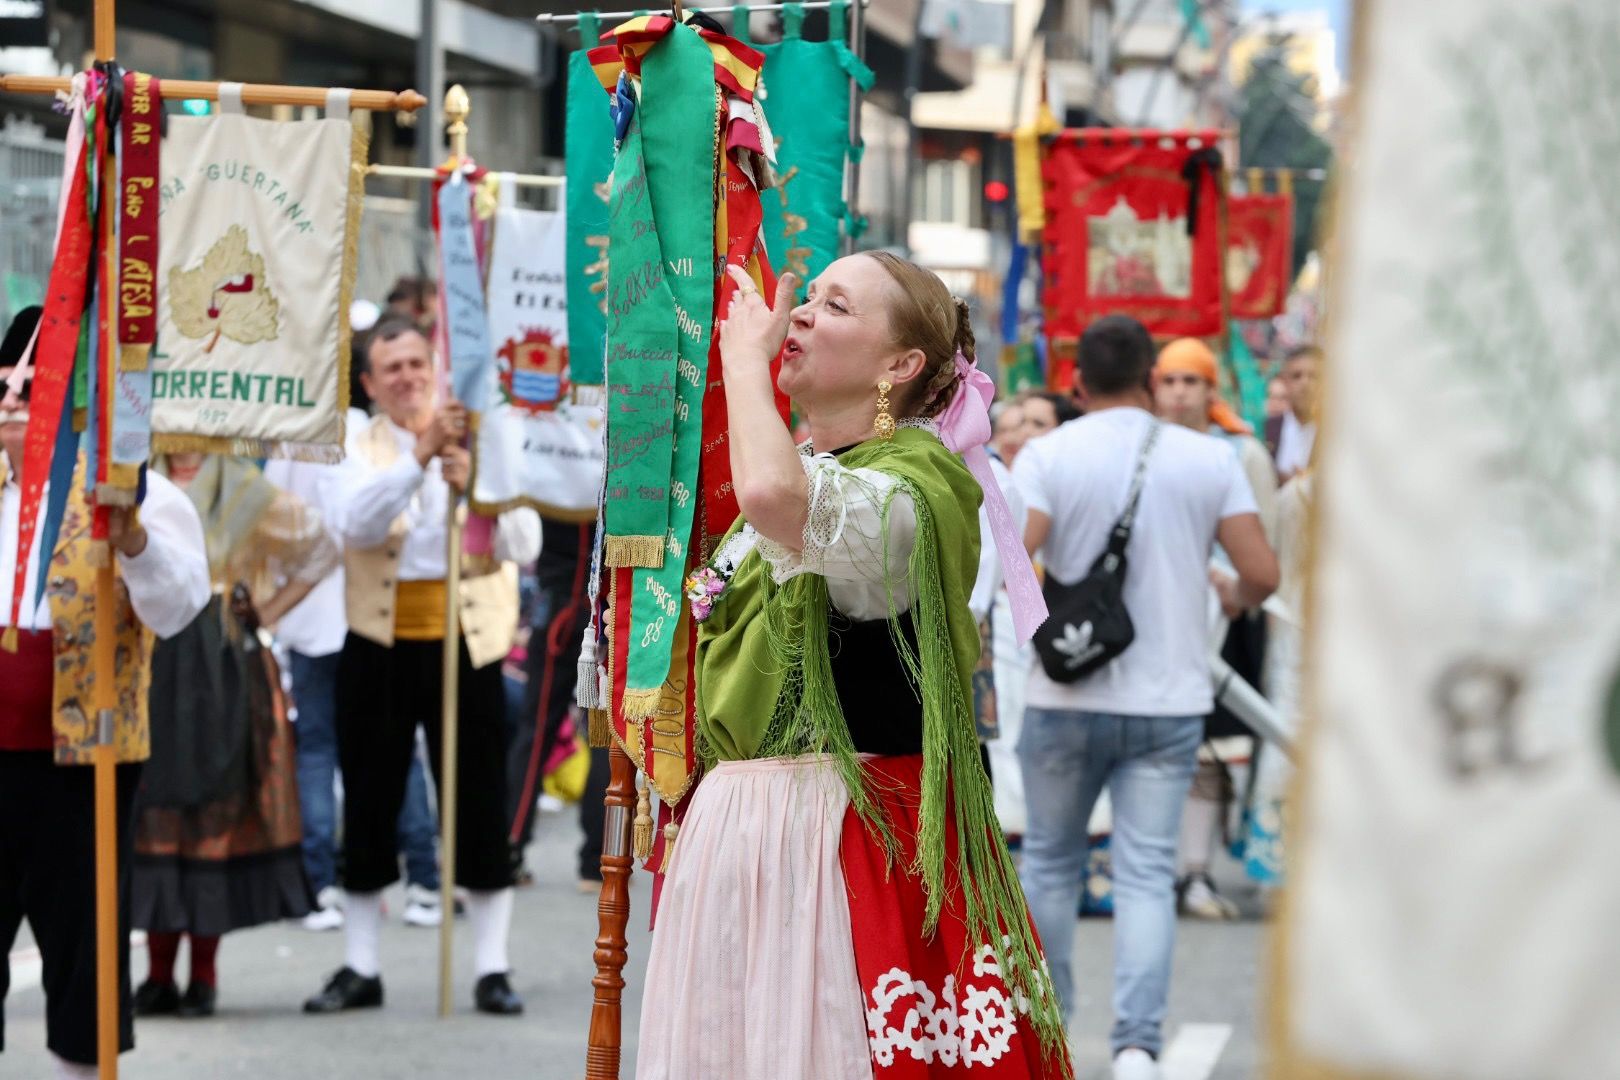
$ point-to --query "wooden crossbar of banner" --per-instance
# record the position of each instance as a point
(252, 93)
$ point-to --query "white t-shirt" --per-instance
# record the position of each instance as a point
(1079, 476)
(1294, 444)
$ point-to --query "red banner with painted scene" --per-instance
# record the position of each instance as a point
(1133, 228)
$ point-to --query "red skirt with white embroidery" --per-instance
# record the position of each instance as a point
(935, 1006)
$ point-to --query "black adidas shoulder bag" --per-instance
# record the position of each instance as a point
(1088, 625)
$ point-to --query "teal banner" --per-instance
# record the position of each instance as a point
(588, 144)
(807, 85)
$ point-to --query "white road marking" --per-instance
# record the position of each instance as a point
(1194, 1052)
(26, 966)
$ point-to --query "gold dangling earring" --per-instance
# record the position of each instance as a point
(884, 424)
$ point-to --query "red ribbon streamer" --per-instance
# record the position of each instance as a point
(53, 366)
(743, 216)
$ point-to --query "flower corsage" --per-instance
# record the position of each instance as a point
(703, 588)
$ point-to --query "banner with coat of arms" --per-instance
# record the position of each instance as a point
(1132, 227)
(537, 446)
(259, 231)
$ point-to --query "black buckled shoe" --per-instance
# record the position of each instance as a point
(157, 999)
(494, 995)
(347, 989)
(199, 1000)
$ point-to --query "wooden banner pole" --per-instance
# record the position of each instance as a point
(104, 692)
(456, 108)
(612, 920)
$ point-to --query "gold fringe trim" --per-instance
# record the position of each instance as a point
(520, 502)
(641, 551)
(599, 732)
(182, 443)
(641, 704)
(111, 494)
(133, 357)
(8, 640)
(641, 833)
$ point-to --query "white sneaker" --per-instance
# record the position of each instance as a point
(328, 913)
(1199, 900)
(421, 907)
(1135, 1064)
(322, 919)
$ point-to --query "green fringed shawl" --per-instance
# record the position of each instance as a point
(765, 689)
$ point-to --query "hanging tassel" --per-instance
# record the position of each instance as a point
(671, 831)
(599, 730)
(8, 640)
(587, 691)
(641, 833)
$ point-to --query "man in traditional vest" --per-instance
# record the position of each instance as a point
(47, 722)
(389, 505)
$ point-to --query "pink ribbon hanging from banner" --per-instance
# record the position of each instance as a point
(964, 428)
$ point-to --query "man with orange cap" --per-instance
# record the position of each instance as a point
(1186, 391)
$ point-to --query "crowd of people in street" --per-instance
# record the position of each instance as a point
(284, 622)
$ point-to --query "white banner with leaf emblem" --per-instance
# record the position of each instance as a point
(260, 226)
(538, 446)
(1455, 882)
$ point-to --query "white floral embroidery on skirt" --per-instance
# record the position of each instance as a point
(973, 1025)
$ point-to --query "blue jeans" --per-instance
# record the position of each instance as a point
(1147, 763)
(314, 681)
(314, 689)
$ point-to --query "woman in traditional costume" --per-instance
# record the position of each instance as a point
(218, 836)
(840, 902)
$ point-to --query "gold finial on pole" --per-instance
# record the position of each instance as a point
(456, 107)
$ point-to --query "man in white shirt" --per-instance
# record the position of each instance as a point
(47, 792)
(1135, 724)
(1292, 436)
(313, 635)
(389, 505)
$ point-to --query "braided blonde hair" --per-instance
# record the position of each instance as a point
(923, 315)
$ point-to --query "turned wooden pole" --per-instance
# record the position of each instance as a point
(104, 689)
(612, 919)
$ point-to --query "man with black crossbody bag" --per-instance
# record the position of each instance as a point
(1123, 513)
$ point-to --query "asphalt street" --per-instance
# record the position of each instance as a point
(266, 973)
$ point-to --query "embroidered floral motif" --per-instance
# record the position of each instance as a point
(973, 1024)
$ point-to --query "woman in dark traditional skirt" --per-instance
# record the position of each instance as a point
(218, 835)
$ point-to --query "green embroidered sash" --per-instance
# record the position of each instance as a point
(679, 135)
